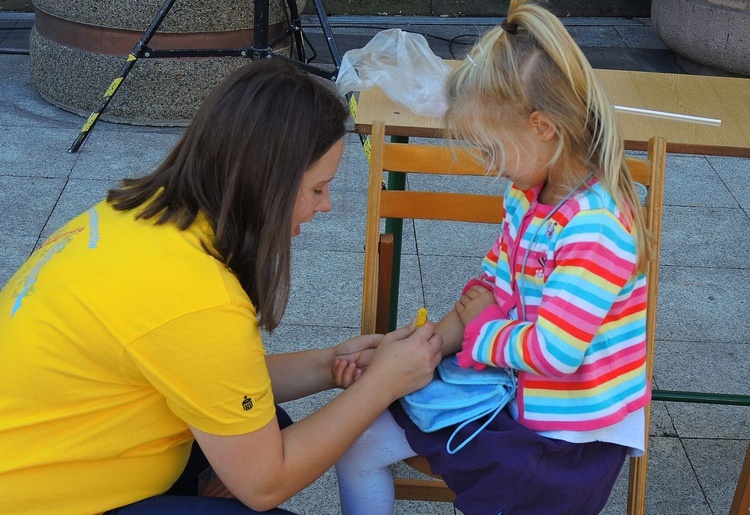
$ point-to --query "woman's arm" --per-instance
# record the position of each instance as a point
(268, 466)
(298, 374)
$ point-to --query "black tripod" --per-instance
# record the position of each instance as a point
(261, 49)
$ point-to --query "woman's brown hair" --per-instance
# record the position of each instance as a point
(240, 163)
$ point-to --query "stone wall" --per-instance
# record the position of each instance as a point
(626, 8)
(712, 33)
(19, 6)
(78, 48)
(585, 8)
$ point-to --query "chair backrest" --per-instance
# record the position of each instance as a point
(430, 205)
(434, 159)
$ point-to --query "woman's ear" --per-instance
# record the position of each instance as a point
(543, 126)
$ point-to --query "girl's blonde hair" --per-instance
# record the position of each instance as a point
(530, 63)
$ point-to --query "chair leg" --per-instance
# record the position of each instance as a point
(385, 272)
(637, 485)
(741, 502)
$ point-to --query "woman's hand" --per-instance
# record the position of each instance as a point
(473, 302)
(406, 359)
(352, 357)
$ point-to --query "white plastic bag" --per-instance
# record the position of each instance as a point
(403, 66)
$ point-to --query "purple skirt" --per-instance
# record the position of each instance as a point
(509, 469)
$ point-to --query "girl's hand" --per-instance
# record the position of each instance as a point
(473, 302)
(352, 357)
(345, 373)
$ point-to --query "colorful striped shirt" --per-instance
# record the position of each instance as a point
(571, 318)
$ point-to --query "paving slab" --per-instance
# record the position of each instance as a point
(717, 464)
(14, 251)
(706, 237)
(36, 151)
(735, 174)
(26, 204)
(704, 304)
(695, 181)
(112, 152)
(673, 488)
(79, 195)
(334, 280)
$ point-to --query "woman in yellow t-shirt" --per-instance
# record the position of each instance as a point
(133, 332)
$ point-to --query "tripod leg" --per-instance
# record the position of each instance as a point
(295, 26)
(260, 29)
(138, 51)
(332, 48)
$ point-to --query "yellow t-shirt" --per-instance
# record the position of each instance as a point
(114, 336)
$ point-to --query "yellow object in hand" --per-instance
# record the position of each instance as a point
(421, 317)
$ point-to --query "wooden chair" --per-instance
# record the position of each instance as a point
(741, 500)
(430, 159)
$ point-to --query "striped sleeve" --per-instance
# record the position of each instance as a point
(594, 259)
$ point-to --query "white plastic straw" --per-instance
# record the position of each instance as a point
(665, 114)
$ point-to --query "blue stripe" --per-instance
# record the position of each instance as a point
(578, 405)
(618, 335)
(93, 227)
(614, 232)
(588, 292)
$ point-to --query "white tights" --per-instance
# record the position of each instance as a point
(365, 480)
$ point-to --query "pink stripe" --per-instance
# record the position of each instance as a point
(497, 351)
(573, 315)
(616, 265)
(620, 359)
(584, 249)
(632, 303)
(583, 425)
(538, 356)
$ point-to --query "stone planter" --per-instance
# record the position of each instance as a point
(713, 33)
(78, 46)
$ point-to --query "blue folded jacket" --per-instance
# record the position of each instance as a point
(459, 396)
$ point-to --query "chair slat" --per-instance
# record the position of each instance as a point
(422, 489)
(453, 206)
(433, 159)
(640, 170)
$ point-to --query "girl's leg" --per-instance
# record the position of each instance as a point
(365, 480)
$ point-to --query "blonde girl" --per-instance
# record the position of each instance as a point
(561, 300)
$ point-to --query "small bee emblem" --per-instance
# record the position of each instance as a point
(247, 403)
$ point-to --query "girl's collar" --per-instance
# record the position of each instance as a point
(532, 194)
